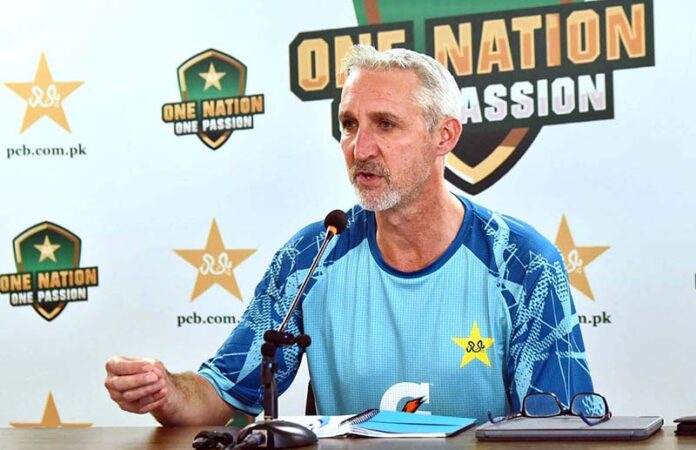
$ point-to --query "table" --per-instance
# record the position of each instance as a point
(158, 438)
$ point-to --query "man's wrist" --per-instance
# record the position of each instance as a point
(170, 411)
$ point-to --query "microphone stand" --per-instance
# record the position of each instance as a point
(281, 434)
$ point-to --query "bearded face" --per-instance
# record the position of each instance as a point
(384, 137)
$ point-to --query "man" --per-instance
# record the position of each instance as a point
(425, 296)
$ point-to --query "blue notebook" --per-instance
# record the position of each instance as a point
(375, 423)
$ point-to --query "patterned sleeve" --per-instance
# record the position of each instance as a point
(235, 370)
(547, 353)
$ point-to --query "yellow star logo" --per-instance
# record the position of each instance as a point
(212, 78)
(475, 347)
(48, 250)
(50, 418)
(215, 264)
(44, 96)
(576, 258)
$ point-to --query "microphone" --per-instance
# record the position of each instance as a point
(335, 222)
(279, 434)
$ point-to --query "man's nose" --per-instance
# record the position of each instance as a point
(365, 146)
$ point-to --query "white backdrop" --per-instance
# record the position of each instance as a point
(141, 192)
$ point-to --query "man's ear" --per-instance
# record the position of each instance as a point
(448, 132)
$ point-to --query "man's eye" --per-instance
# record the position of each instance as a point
(386, 124)
(348, 124)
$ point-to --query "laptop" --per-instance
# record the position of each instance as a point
(570, 428)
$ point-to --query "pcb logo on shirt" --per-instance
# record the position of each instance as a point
(213, 103)
(517, 69)
(47, 257)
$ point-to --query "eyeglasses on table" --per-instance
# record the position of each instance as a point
(591, 407)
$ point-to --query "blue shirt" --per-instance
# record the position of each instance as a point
(489, 321)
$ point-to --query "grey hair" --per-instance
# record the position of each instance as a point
(438, 96)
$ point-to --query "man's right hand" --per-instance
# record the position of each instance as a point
(138, 385)
(145, 386)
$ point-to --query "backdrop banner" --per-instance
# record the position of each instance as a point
(155, 155)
